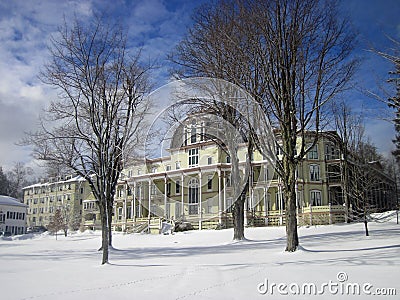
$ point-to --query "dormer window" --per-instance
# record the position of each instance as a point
(193, 133)
(193, 157)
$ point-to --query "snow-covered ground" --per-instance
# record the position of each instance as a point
(333, 261)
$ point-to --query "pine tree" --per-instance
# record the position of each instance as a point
(4, 183)
(394, 102)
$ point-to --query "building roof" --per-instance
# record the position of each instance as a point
(73, 179)
(6, 200)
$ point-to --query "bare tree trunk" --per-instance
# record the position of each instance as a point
(238, 216)
(105, 235)
(366, 226)
(291, 219)
(110, 216)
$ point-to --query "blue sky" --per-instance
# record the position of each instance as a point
(155, 25)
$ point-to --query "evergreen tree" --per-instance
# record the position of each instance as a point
(394, 102)
(4, 183)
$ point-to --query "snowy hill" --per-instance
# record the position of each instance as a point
(333, 261)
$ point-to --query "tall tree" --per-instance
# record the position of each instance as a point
(92, 127)
(394, 101)
(351, 131)
(365, 185)
(292, 57)
(18, 178)
(4, 183)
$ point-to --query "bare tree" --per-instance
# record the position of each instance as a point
(351, 131)
(367, 184)
(18, 178)
(93, 125)
(291, 56)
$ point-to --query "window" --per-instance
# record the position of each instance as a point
(193, 133)
(278, 150)
(279, 201)
(228, 180)
(154, 170)
(331, 152)
(193, 196)
(82, 190)
(209, 160)
(316, 199)
(313, 153)
(138, 191)
(266, 173)
(209, 182)
(177, 165)
(178, 212)
(168, 188)
(152, 189)
(177, 187)
(139, 172)
(209, 206)
(193, 157)
(229, 205)
(228, 159)
(168, 168)
(203, 132)
(120, 214)
(314, 173)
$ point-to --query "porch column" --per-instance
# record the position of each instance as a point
(125, 206)
(132, 208)
(165, 198)
(134, 203)
(200, 206)
(224, 209)
(182, 196)
(280, 198)
(219, 198)
(266, 205)
(149, 216)
(140, 200)
(115, 214)
(247, 200)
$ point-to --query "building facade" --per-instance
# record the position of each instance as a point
(65, 193)
(13, 215)
(193, 183)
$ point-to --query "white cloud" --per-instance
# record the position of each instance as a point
(381, 133)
